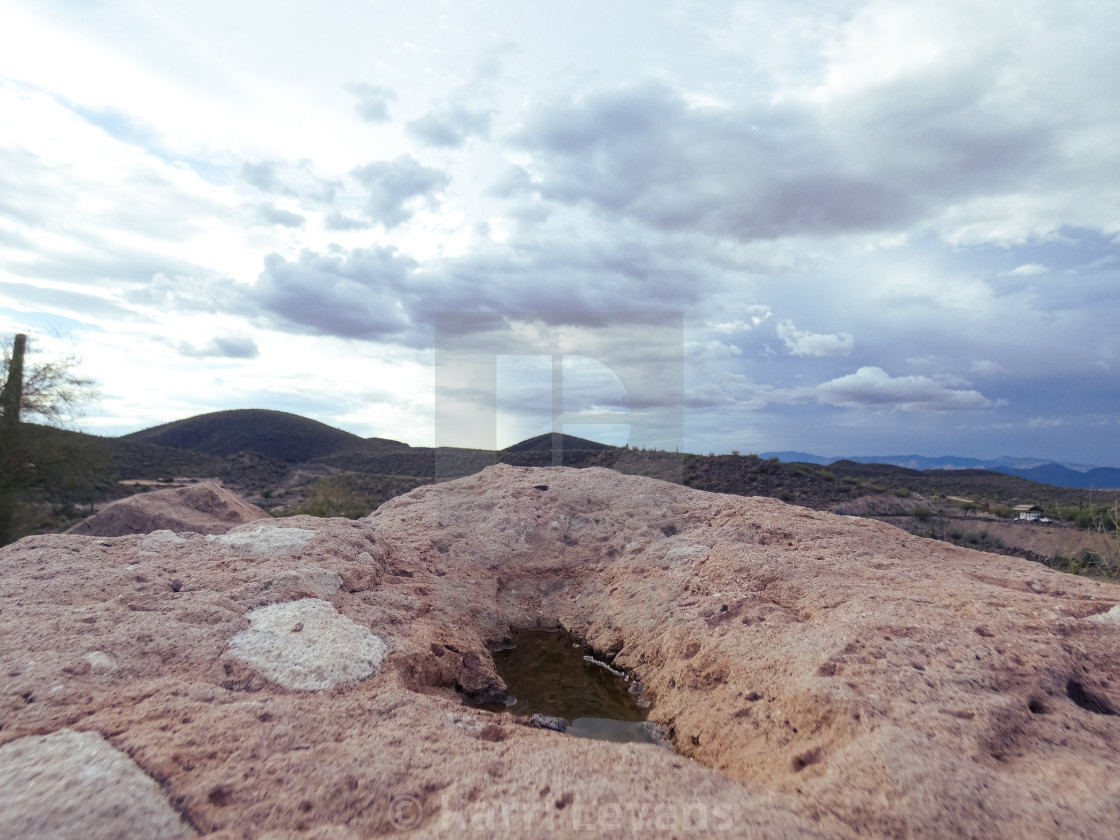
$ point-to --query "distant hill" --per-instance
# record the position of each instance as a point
(553, 440)
(1100, 478)
(274, 434)
(1078, 476)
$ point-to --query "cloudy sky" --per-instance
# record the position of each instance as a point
(883, 227)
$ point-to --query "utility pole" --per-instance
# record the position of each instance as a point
(12, 396)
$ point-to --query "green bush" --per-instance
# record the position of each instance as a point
(826, 475)
(901, 492)
(922, 514)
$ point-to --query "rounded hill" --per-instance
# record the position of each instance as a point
(554, 440)
(274, 434)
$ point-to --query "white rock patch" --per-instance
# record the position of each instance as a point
(1110, 617)
(100, 662)
(74, 784)
(265, 541)
(158, 542)
(307, 645)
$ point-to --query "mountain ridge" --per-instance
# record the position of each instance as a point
(1075, 476)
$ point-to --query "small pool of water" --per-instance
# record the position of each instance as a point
(547, 673)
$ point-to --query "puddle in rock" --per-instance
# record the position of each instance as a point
(547, 674)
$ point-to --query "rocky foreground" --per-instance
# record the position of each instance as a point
(821, 676)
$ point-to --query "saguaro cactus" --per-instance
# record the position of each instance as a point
(12, 395)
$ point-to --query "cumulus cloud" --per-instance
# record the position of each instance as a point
(277, 177)
(373, 101)
(273, 215)
(222, 346)
(338, 221)
(397, 189)
(764, 170)
(873, 387)
(261, 175)
(703, 352)
(449, 128)
(356, 296)
(804, 343)
(382, 294)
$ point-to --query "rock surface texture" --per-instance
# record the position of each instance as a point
(204, 508)
(821, 676)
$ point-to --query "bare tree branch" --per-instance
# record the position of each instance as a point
(52, 391)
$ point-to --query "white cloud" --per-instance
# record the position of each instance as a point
(1028, 270)
(373, 101)
(449, 128)
(804, 343)
(746, 317)
(223, 346)
(986, 367)
(873, 387)
(702, 352)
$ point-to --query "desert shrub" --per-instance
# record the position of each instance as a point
(1089, 559)
(826, 475)
(849, 480)
(1084, 517)
(922, 514)
(1064, 564)
(967, 507)
(1003, 510)
(901, 492)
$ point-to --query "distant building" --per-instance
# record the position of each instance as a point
(1028, 513)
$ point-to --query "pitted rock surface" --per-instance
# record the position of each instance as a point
(820, 675)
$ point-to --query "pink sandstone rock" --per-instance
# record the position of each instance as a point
(204, 508)
(821, 676)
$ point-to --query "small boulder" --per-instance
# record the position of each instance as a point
(203, 508)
